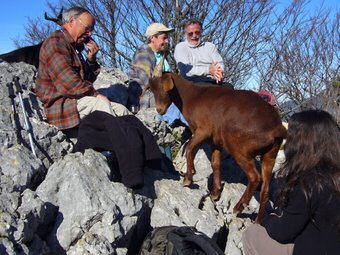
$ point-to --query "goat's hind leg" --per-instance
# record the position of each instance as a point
(216, 166)
(267, 164)
(195, 140)
(254, 178)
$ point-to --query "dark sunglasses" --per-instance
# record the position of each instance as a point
(195, 32)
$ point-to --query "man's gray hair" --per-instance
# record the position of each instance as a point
(192, 22)
(73, 12)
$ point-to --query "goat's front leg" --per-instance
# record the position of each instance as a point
(216, 166)
(195, 140)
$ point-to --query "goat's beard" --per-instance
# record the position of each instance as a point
(166, 48)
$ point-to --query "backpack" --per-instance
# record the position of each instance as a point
(172, 240)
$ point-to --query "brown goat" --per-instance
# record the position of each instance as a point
(239, 121)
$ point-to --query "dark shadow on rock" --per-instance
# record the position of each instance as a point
(2, 249)
(43, 151)
(27, 105)
(157, 170)
(37, 179)
(221, 237)
(185, 135)
(111, 158)
(17, 126)
(48, 229)
(52, 239)
(139, 232)
(35, 106)
(231, 172)
(251, 216)
(194, 186)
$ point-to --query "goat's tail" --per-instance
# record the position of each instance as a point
(280, 134)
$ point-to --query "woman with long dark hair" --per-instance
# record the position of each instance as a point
(308, 217)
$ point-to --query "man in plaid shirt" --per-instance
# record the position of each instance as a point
(64, 81)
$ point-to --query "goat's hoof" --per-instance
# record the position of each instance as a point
(187, 182)
(238, 208)
(215, 197)
(236, 211)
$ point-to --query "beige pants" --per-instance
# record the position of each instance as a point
(89, 104)
(256, 241)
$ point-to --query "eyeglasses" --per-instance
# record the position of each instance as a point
(195, 32)
(163, 36)
(88, 29)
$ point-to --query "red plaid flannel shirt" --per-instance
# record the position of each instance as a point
(60, 81)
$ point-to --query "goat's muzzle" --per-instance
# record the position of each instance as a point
(160, 110)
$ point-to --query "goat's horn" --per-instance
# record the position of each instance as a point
(146, 88)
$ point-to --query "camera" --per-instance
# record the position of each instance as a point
(87, 40)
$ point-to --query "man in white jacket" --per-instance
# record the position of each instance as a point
(197, 60)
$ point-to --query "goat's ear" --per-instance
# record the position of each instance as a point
(146, 88)
(168, 83)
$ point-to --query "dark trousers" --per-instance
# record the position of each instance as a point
(132, 143)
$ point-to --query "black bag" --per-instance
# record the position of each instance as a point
(172, 240)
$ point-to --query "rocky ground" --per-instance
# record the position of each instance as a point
(68, 203)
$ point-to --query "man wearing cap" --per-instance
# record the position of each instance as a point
(144, 60)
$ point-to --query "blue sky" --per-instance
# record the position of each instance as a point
(15, 13)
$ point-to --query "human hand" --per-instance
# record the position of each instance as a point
(216, 71)
(92, 48)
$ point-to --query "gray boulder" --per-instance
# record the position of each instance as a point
(89, 204)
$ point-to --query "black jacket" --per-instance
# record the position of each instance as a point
(126, 136)
(313, 226)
